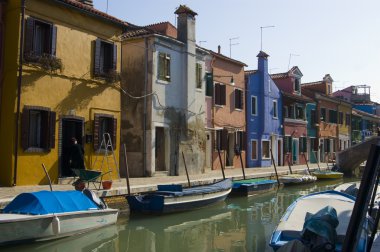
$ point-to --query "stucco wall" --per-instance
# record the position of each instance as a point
(71, 91)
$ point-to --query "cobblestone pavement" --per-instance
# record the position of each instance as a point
(146, 184)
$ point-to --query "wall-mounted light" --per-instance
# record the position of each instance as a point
(231, 81)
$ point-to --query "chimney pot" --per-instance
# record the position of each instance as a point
(219, 49)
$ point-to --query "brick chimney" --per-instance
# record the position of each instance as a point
(185, 23)
(87, 2)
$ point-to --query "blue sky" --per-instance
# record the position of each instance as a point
(338, 37)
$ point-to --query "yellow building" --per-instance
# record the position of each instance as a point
(344, 125)
(68, 87)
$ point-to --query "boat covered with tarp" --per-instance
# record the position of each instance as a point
(292, 179)
(48, 215)
(253, 186)
(175, 198)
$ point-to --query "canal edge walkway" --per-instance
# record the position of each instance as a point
(147, 184)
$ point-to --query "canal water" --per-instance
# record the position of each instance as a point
(240, 224)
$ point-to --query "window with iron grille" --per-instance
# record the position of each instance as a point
(239, 98)
(38, 129)
(164, 66)
(220, 94)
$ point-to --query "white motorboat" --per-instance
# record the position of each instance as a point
(292, 222)
(49, 215)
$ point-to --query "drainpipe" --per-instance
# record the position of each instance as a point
(145, 106)
(19, 81)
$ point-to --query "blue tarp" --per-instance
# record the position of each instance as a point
(45, 202)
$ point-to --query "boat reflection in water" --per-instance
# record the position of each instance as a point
(102, 239)
(239, 224)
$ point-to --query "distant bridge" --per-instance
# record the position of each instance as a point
(351, 158)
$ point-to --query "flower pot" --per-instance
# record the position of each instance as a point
(107, 184)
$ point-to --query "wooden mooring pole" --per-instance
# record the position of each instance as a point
(275, 168)
(126, 169)
(242, 165)
(187, 173)
(47, 175)
(221, 164)
(307, 163)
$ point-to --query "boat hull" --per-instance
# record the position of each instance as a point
(328, 175)
(294, 179)
(16, 228)
(252, 188)
(168, 202)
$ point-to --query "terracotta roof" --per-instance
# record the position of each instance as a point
(219, 55)
(248, 72)
(297, 97)
(184, 9)
(137, 31)
(312, 83)
(283, 75)
(279, 75)
(165, 28)
(90, 10)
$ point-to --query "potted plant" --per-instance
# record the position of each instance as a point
(107, 184)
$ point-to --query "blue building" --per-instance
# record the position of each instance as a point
(264, 116)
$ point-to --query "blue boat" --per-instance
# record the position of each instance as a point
(249, 187)
(292, 224)
(174, 198)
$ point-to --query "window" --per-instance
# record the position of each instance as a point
(253, 105)
(313, 117)
(285, 111)
(209, 84)
(300, 113)
(303, 144)
(275, 109)
(333, 116)
(220, 94)
(239, 98)
(328, 89)
(164, 66)
(287, 144)
(221, 139)
(198, 74)
(348, 119)
(265, 149)
(103, 124)
(297, 85)
(105, 58)
(240, 140)
(40, 39)
(254, 150)
(38, 129)
(291, 112)
(323, 114)
(340, 118)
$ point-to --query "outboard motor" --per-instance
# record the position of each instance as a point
(319, 230)
(92, 196)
